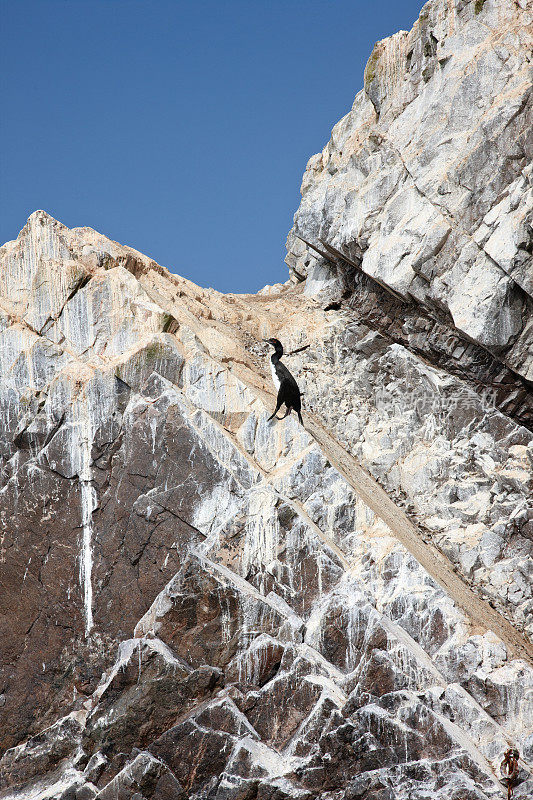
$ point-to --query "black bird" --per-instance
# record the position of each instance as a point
(288, 391)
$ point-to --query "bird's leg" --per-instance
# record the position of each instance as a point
(278, 406)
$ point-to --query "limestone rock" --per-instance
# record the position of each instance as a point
(283, 635)
(425, 184)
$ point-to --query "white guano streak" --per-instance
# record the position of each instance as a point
(88, 504)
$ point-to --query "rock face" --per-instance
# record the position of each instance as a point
(426, 184)
(199, 603)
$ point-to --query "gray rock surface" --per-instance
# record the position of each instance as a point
(426, 184)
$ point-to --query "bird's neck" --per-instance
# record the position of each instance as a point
(277, 355)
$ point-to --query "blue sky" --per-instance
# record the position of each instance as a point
(179, 128)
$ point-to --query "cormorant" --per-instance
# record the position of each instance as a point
(288, 391)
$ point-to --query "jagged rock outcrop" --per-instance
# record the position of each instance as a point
(197, 603)
(426, 184)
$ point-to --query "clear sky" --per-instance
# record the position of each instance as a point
(179, 127)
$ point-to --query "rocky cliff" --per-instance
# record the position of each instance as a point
(199, 603)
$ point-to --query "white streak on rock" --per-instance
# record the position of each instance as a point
(84, 441)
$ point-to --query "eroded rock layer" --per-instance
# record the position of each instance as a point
(199, 603)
